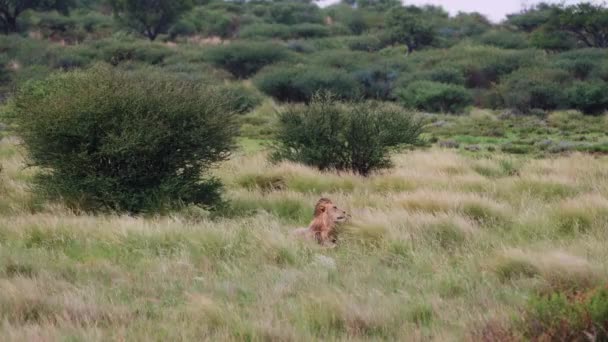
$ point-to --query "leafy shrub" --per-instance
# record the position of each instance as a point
(244, 59)
(117, 51)
(265, 31)
(435, 97)
(343, 136)
(570, 318)
(377, 82)
(241, 99)
(366, 43)
(343, 59)
(205, 21)
(590, 97)
(309, 31)
(505, 39)
(299, 83)
(442, 74)
(125, 141)
(535, 88)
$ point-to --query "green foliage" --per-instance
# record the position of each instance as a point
(116, 52)
(124, 141)
(205, 21)
(572, 318)
(406, 25)
(10, 10)
(241, 99)
(589, 97)
(505, 39)
(534, 88)
(299, 83)
(265, 31)
(243, 59)
(435, 97)
(587, 23)
(343, 136)
(150, 17)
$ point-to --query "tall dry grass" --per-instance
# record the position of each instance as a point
(438, 246)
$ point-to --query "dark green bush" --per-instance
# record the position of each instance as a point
(562, 317)
(241, 99)
(442, 74)
(265, 31)
(534, 88)
(343, 59)
(366, 43)
(590, 97)
(343, 136)
(244, 59)
(505, 39)
(309, 31)
(124, 141)
(377, 81)
(117, 51)
(299, 83)
(435, 97)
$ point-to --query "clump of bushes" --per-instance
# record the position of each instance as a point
(244, 59)
(298, 83)
(435, 97)
(343, 136)
(124, 141)
(590, 97)
(569, 318)
(534, 88)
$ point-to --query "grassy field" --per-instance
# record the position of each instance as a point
(447, 245)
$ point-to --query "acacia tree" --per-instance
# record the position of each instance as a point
(11, 9)
(408, 25)
(587, 22)
(150, 17)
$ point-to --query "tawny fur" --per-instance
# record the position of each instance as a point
(322, 227)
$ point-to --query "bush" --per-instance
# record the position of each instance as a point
(571, 318)
(309, 31)
(505, 39)
(343, 136)
(435, 97)
(377, 82)
(244, 59)
(241, 99)
(590, 97)
(366, 43)
(124, 141)
(534, 88)
(116, 52)
(265, 31)
(299, 84)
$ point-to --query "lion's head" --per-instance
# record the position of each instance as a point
(326, 207)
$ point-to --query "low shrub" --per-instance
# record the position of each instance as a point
(265, 31)
(536, 88)
(241, 99)
(590, 97)
(290, 83)
(563, 317)
(124, 141)
(343, 136)
(243, 59)
(435, 97)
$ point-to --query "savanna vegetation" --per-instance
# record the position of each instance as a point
(155, 157)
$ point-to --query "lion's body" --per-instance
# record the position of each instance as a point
(322, 227)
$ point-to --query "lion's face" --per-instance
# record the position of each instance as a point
(335, 214)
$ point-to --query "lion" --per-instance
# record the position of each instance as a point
(322, 228)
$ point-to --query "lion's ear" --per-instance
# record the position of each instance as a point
(322, 209)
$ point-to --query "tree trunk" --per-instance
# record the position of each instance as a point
(11, 24)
